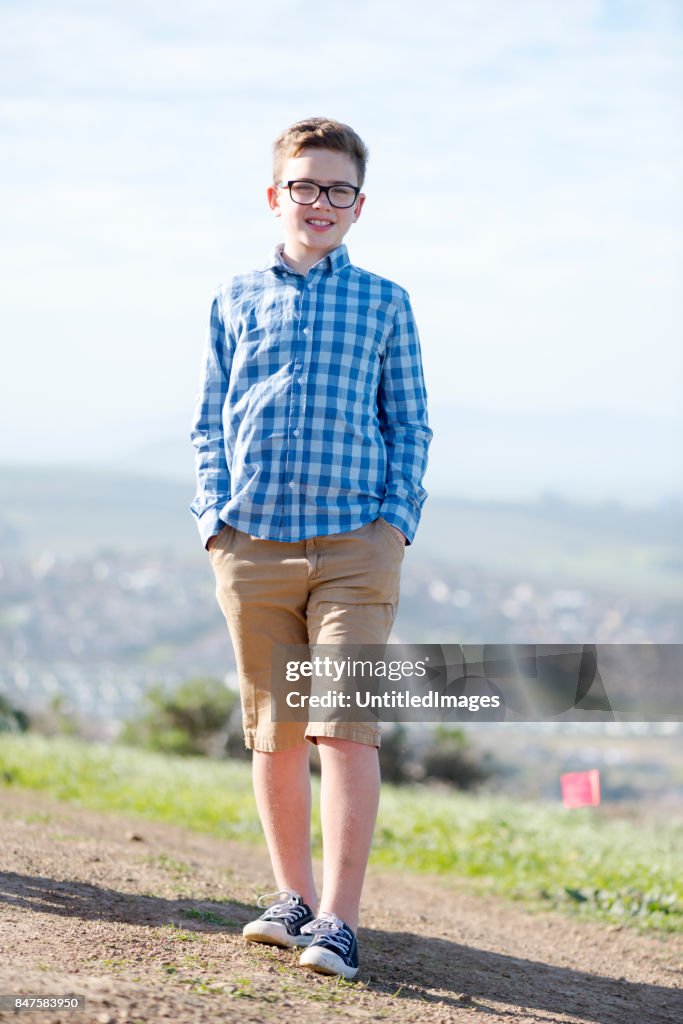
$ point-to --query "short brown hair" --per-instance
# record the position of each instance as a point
(319, 133)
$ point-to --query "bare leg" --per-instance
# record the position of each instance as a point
(282, 787)
(349, 797)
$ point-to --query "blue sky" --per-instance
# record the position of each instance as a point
(524, 185)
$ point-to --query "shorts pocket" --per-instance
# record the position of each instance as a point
(220, 540)
(390, 530)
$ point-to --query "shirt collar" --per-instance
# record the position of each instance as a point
(331, 264)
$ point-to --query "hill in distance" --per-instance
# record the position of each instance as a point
(71, 510)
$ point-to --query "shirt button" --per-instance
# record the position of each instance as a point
(301, 380)
(296, 433)
(292, 484)
(307, 331)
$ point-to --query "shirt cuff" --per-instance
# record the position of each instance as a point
(209, 523)
(397, 513)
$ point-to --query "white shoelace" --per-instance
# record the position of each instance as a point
(278, 901)
(327, 922)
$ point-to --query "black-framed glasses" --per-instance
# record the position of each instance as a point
(307, 192)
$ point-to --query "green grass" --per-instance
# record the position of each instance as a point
(542, 854)
(200, 794)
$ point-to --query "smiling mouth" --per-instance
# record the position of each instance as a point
(317, 223)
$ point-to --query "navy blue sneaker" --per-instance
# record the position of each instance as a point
(334, 949)
(283, 921)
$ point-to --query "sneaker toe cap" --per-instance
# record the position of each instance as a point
(326, 962)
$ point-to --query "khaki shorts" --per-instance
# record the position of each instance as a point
(343, 588)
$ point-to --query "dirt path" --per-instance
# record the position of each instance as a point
(124, 912)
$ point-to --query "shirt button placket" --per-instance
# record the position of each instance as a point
(297, 401)
(302, 359)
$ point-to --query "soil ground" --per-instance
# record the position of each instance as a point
(145, 919)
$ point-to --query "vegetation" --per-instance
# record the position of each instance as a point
(575, 860)
(193, 719)
(450, 758)
(201, 716)
(11, 718)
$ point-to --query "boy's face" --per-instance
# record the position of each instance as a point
(313, 231)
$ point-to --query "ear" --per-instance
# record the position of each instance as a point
(274, 200)
(358, 207)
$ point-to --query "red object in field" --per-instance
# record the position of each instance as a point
(580, 789)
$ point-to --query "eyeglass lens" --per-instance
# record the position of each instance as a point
(306, 192)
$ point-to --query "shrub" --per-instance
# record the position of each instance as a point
(397, 758)
(12, 719)
(195, 718)
(450, 759)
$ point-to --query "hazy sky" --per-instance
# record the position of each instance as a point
(524, 185)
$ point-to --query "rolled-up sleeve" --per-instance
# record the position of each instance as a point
(402, 411)
(211, 468)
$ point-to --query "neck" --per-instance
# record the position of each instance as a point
(302, 261)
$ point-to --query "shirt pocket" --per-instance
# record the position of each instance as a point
(267, 323)
(264, 344)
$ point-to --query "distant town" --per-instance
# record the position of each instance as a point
(95, 631)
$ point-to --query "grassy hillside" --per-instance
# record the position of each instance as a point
(578, 861)
(80, 512)
(604, 546)
(74, 511)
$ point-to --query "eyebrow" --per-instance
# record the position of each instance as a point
(312, 181)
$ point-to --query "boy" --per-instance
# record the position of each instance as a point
(311, 435)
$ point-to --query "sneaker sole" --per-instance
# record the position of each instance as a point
(325, 962)
(273, 935)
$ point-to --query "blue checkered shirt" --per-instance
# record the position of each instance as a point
(311, 415)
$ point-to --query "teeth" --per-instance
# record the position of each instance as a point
(320, 223)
